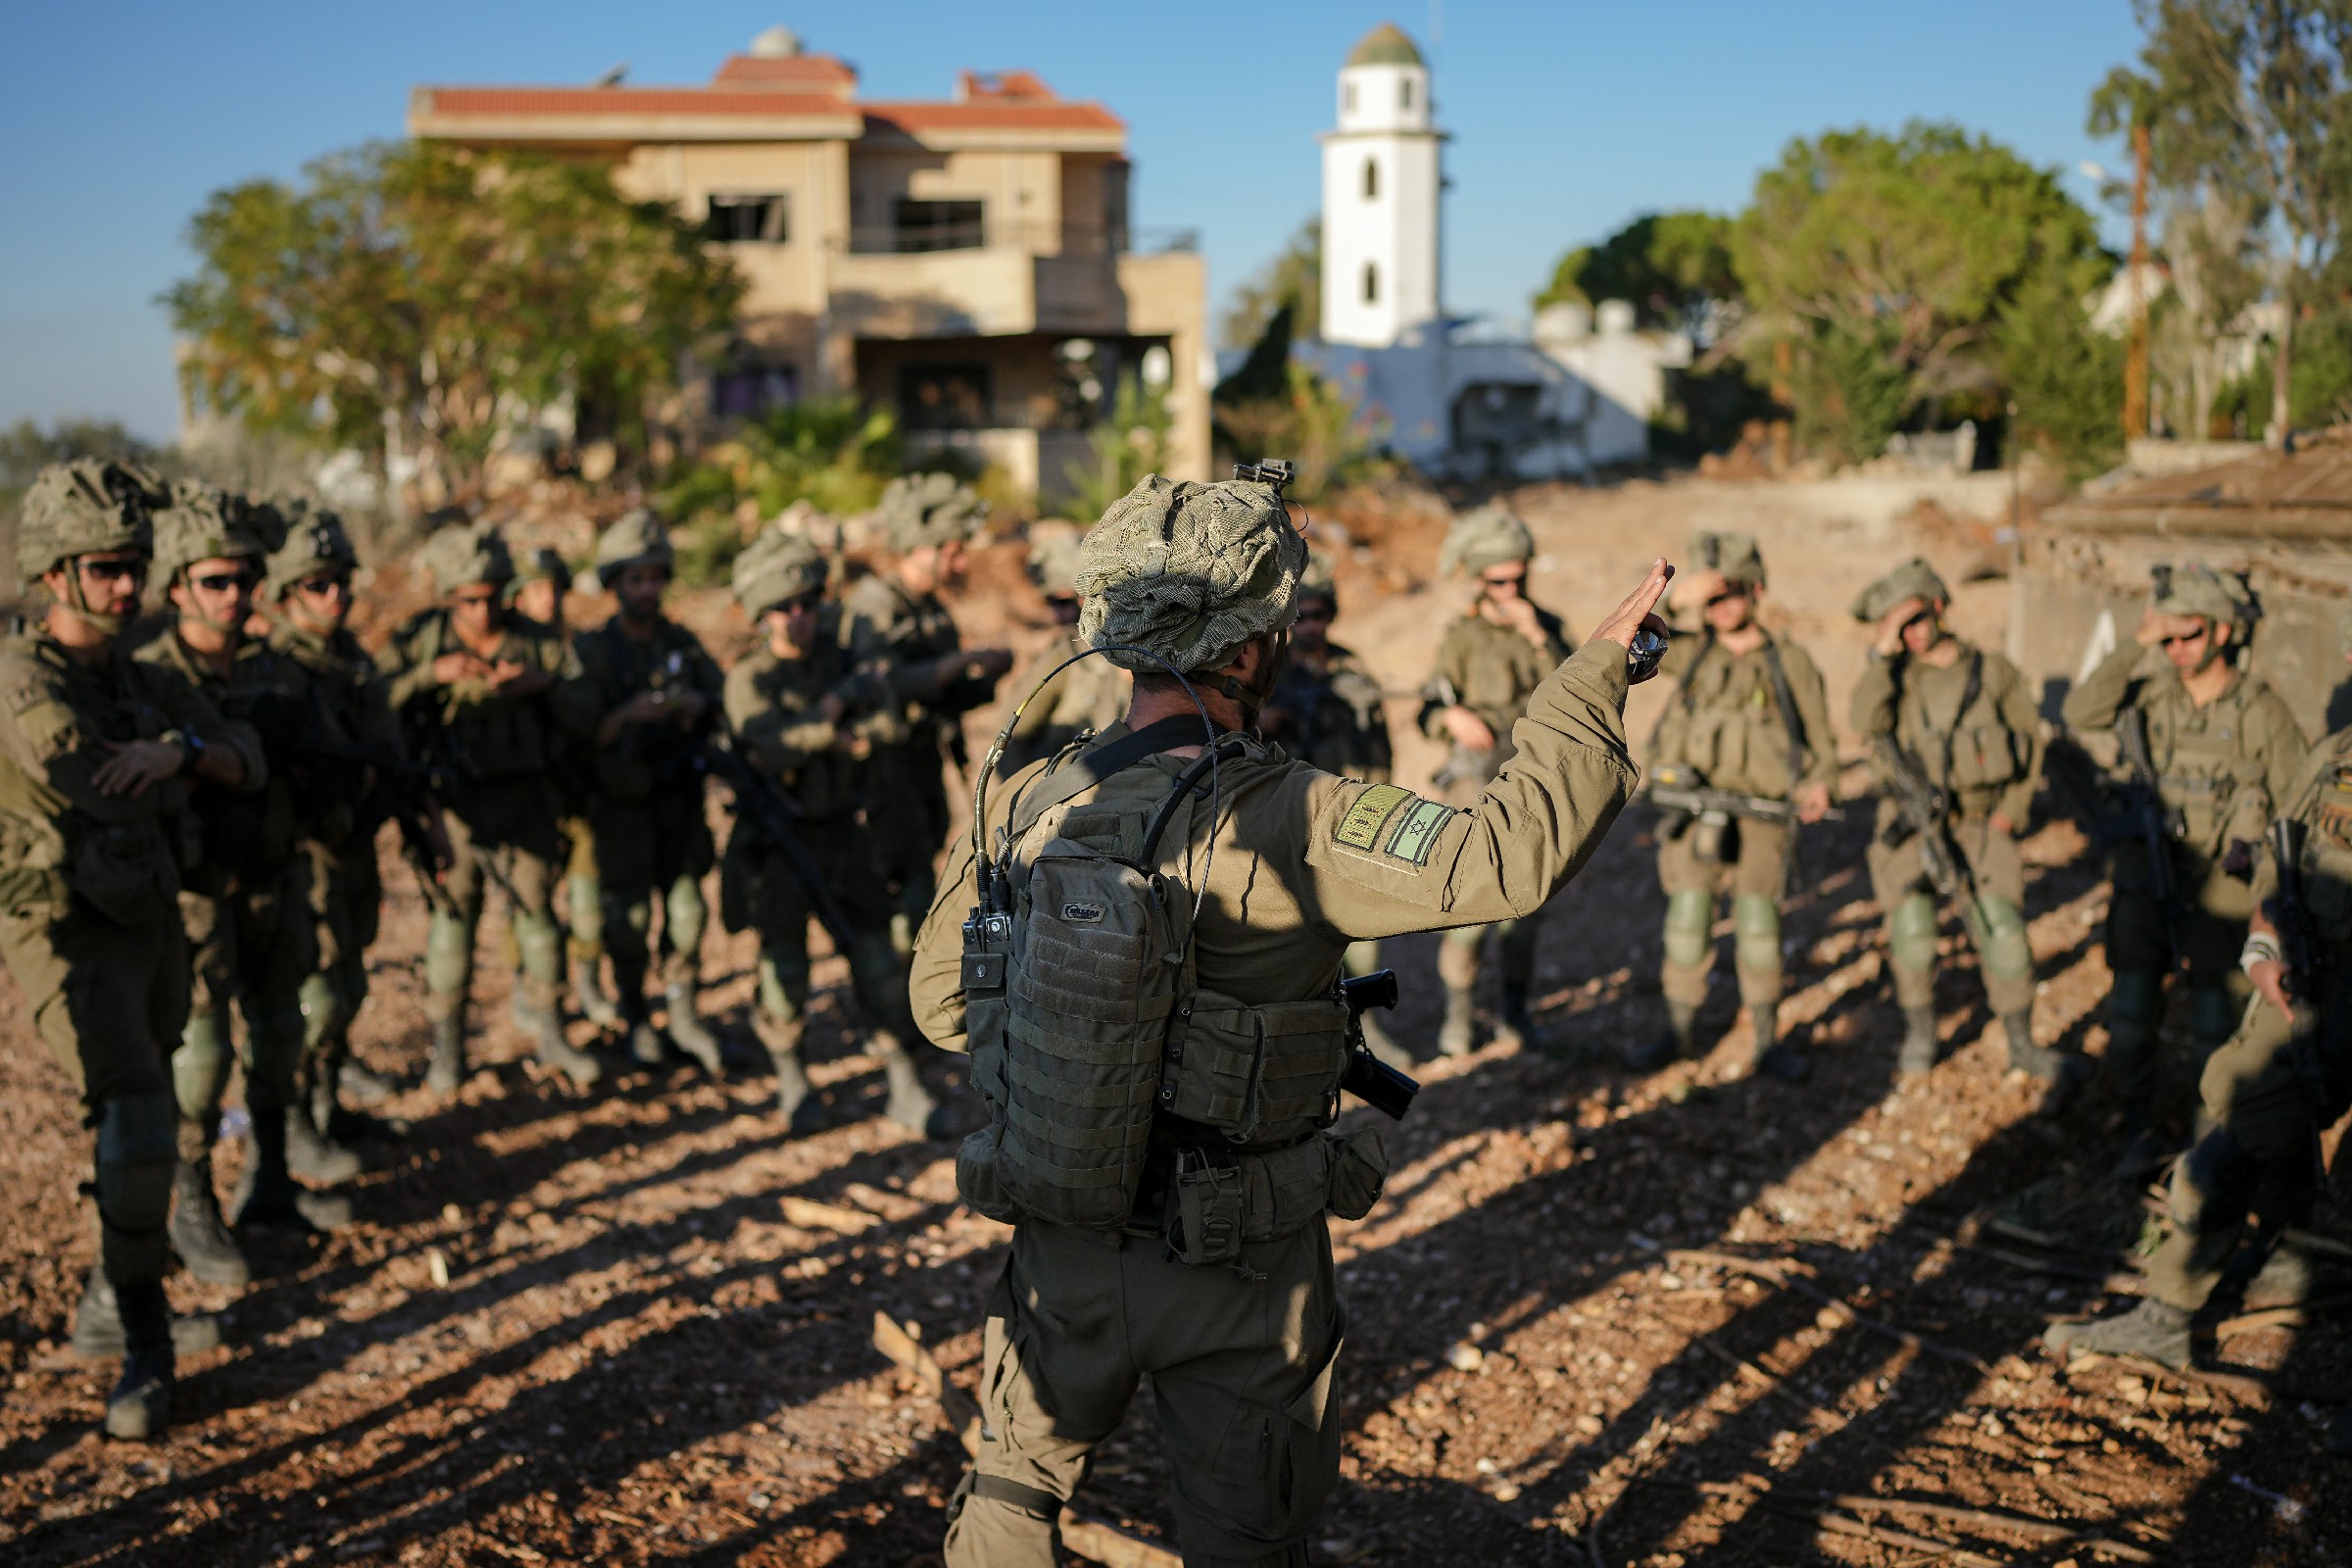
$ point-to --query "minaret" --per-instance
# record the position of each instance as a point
(1379, 196)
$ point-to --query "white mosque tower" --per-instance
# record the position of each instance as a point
(1381, 179)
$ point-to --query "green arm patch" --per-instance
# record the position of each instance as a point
(1387, 821)
(1361, 828)
(1417, 831)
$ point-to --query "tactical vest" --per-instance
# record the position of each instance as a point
(2212, 789)
(1123, 1095)
(1736, 725)
(1967, 748)
(2327, 806)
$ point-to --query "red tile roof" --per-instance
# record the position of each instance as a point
(810, 72)
(995, 115)
(757, 103)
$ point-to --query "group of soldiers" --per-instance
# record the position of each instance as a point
(196, 756)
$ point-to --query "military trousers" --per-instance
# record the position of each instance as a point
(1996, 927)
(252, 945)
(758, 892)
(344, 893)
(909, 816)
(2208, 923)
(1242, 1372)
(2259, 1123)
(1514, 952)
(1694, 867)
(109, 1002)
(653, 855)
(504, 831)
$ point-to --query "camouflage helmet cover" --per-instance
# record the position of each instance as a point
(204, 523)
(639, 539)
(2192, 588)
(544, 565)
(929, 508)
(1056, 549)
(91, 506)
(1491, 536)
(1320, 580)
(469, 552)
(778, 566)
(1912, 580)
(1734, 554)
(1188, 571)
(316, 545)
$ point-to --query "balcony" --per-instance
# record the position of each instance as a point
(1008, 285)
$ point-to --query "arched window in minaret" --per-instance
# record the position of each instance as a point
(1371, 179)
(1371, 283)
(1405, 92)
(1347, 97)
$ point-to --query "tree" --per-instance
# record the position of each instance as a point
(1293, 278)
(2252, 97)
(1887, 262)
(1131, 443)
(417, 299)
(1675, 268)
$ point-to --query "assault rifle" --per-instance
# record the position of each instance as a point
(1923, 812)
(407, 793)
(1368, 1078)
(2290, 916)
(1718, 806)
(761, 805)
(2143, 817)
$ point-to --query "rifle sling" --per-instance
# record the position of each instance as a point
(1785, 697)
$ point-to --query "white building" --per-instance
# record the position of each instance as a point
(1578, 396)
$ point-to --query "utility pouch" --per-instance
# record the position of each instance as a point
(987, 958)
(980, 1175)
(1208, 1199)
(1359, 1170)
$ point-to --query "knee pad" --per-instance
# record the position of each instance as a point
(1756, 930)
(2002, 944)
(324, 1012)
(784, 985)
(584, 899)
(137, 1146)
(1690, 918)
(1911, 933)
(448, 952)
(686, 915)
(539, 943)
(199, 1066)
(2213, 1017)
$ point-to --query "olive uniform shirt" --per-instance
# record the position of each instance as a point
(644, 759)
(249, 833)
(1337, 719)
(1491, 670)
(481, 735)
(903, 637)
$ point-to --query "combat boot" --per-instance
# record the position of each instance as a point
(98, 1325)
(447, 1068)
(1917, 1054)
(140, 1406)
(1677, 1039)
(268, 1196)
(2157, 1330)
(558, 1052)
(686, 1030)
(1453, 1034)
(796, 1101)
(1773, 1055)
(312, 1154)
(910, 1104)
(2035, 1062)
(588, 989)
(197, 1232)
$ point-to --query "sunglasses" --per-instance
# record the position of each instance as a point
(1512, 582)
(795, 606)
(222, 582)
(127, 569)
(2186, 637)
(321, 587)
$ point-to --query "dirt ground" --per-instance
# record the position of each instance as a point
(1600, 1318)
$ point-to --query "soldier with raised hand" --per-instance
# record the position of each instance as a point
(1751, 715)
(898, 625)
(2224, 747)
(97, 752)
(1190, 1246)
(485, 696)
(652, 693)
(807, 718)
(306, 585)
(542, 582)
(1086, 696)
(2283, 1079)
(1965, 720)
(244, 902)
(1491, 661)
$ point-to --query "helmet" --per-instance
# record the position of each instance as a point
(1735, 554)
(2192, 588)
(639, 539)
(204, 523)
(315, 546)
(465, 555)
(1188, 571)
(1491, 536)
(1055, 547)
(545, 564)
(929, 508)
(88, 507)
(1912, 580)
(776, 567)
(1318, 581)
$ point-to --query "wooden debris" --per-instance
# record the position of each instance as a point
(811, 1215)
(2044, 1530)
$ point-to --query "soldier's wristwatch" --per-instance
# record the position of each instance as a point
(191, 750)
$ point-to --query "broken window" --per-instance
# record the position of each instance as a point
(1371, 283)
(749, 220)
(1371, 179)
(938, 225)
(942, 397)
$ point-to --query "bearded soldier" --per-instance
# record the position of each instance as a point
(1086, 696)
(1190, 1246)
(653, 692)
(807, 717)
(350, 733)
(898, 625)
(2284, 1078)
(2223, 747)
(96, 754)
(244, 903)
(1751, 717)
(484, 697)
(1491, 661)
(1962, 722)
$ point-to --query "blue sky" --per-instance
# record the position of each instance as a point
(1568, 118)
